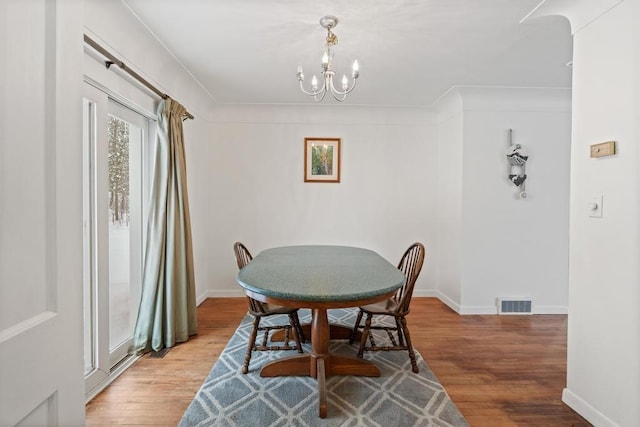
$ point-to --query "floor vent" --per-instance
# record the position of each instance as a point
(159, 354)
(515, 306)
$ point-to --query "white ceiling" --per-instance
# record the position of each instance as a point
(410, 51)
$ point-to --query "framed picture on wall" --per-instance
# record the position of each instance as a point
(322, 160)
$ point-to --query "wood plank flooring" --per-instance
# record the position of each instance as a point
(498, 370)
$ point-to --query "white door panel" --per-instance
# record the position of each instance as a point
(41, 376)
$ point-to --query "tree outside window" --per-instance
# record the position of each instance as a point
(118, 131)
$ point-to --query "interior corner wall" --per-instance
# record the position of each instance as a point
(492, 242)
(603, 368)
(251, 172)
(515, 247)
(449, 199)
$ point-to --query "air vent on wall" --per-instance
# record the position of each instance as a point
(515, 306)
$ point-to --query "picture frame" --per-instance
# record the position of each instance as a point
(322, 160)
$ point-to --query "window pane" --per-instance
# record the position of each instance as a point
(124, 138)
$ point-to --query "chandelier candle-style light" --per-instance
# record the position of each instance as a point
(327, 71)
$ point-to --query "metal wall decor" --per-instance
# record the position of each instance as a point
(517, 156)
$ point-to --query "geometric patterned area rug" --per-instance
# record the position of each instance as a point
(398, 397)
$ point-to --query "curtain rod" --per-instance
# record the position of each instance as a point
(113, 60)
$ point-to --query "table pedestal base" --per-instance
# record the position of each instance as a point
(320, 363)
(319, 367)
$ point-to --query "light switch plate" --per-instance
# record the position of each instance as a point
(595, 206)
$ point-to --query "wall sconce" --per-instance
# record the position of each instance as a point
(517, 157)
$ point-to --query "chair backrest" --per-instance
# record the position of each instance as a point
(243, 257)
(410, 264)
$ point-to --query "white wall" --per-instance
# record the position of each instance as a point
(494, 244)
(253, 164)
(603, 378)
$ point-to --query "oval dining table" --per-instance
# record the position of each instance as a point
(320, 278)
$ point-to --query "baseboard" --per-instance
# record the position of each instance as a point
(550, 309)
(587, 411)
(227, 293)
(428, 293)
(486, 309)
(453, 305)
(460, 309)
(478, 309)
(492, 309)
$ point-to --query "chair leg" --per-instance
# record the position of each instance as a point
(252, 340)
(365, 335)
(352, 338)
(299, 328)
(400, 333)
(295, 325)
(412, 356)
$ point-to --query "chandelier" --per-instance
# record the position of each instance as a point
(327, 71)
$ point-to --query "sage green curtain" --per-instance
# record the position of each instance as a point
(167, 312)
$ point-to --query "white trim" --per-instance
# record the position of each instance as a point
(583, 408)
(478, 309)
(115, 373)
(122, 100)
(200, 299)
(490, 309)
(426, 293)
(579, 14)
(453, 305)
(550, 309)
(462, 310)
(226, 293)
(317, 114)
(442, 297)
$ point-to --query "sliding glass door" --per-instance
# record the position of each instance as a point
(115, 181)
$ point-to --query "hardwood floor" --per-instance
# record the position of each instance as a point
(498, 370)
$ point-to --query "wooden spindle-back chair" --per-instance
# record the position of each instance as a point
(396, 307)
(259, 310)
